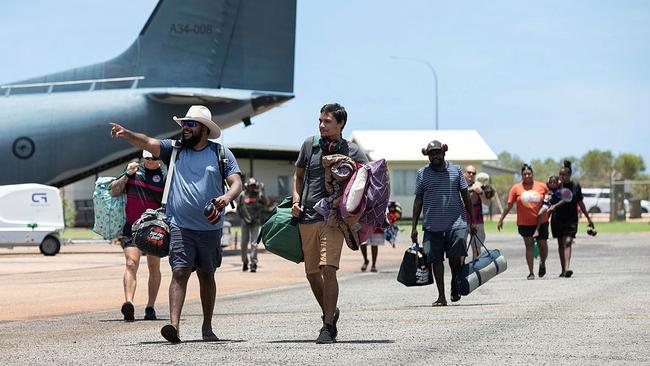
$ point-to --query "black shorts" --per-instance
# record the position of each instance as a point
(528, 230)
(564, 228)
(127, 237)
(437, 243)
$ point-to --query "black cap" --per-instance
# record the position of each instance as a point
(434, 145)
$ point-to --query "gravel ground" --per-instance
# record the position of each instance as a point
(600, 316)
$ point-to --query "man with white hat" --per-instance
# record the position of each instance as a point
(197, 181)
(143, 184)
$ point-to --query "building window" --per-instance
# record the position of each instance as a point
(403, 183)
(284, 186)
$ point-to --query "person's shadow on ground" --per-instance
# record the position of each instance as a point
(221, 341)
(361, 341)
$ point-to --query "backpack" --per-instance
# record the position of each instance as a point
(223, 161)
(110, 216)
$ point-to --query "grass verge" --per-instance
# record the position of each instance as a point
(601, 227)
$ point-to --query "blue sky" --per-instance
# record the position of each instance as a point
(542, 79)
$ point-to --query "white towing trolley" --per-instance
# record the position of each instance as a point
(31, 215)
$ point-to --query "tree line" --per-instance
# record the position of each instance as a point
(596, 168)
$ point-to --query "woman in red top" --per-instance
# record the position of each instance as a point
(529, 196)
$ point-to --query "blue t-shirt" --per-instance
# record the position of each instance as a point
(440, 192)
(556, 196)
(196, 180)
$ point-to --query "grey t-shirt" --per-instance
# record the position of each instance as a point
(314, 171)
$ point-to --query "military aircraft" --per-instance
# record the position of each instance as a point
(234, 56)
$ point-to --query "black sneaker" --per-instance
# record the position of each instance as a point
(149, 313)
(245, 267)
(455, 296)
(568, 274)
(253, 268)
(128, 311)
(337, 312)
(542, 271)
(325, 335)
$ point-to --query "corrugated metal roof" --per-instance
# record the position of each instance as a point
(406, 145)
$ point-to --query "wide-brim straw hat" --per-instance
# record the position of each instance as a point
(202, 115)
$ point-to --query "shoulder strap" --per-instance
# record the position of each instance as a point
(170, 173)
(305, 183)
(315, 142)
(222, 161)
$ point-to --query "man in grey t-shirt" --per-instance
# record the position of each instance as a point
(197, 179)
(321, 243)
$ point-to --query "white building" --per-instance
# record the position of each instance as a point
(403, 153)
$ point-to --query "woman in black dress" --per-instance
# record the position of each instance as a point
(564, 221)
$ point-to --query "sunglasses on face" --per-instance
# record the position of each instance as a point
(154, 159)
(189, 123)
(471, 173)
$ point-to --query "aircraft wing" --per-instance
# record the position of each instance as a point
(191, 96)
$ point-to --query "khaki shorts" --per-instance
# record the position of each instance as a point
(321, 246)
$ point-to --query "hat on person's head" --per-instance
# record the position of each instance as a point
(434, 145)
(146, 154)
(202, 115)
(251, 183)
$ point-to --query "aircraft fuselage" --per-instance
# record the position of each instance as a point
(58, 138)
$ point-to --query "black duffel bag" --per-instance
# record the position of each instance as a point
(151, 232)
(414, 270)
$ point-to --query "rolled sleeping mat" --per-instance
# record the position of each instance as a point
(477, 272)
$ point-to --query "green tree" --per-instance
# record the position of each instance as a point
(545, 168)
(510, 161)
(596, 166)
(502, 185)
(629, 165)
(69, 213)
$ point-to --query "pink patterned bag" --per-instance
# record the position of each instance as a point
(353, 204)
(377, 195)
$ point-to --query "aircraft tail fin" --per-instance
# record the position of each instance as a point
(237, 44)
(234, 44)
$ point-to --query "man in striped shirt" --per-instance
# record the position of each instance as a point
(439, 188)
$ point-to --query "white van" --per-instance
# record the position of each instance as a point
(31, 215)
(597, 200)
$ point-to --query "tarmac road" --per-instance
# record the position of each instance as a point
(600, 316)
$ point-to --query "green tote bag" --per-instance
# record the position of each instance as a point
(280, 233)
